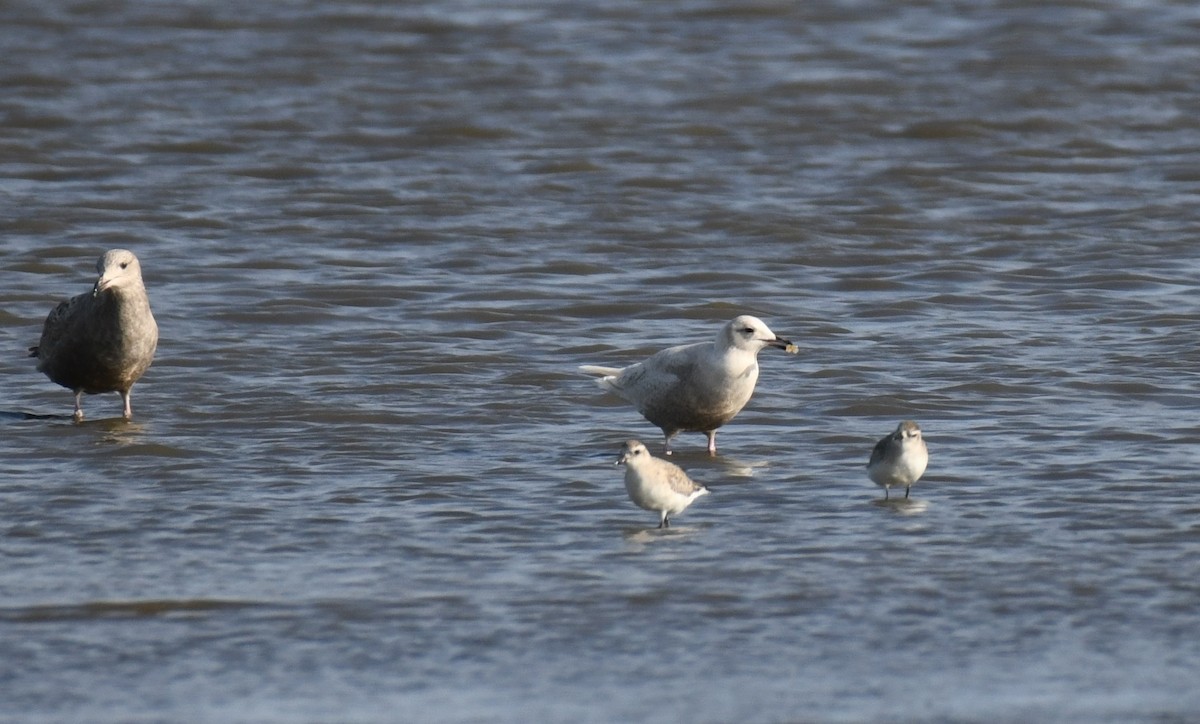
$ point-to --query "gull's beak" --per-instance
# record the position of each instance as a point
(104, 282)
(784, 344)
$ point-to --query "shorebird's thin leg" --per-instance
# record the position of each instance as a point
(906, 492)
(886, 490)
(78, 416)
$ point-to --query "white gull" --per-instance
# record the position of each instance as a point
(695, 387)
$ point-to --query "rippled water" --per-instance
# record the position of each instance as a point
(364, 481)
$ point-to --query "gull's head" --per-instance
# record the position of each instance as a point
(118, 268)
(632, 453)
(907, 430)
(752, 335)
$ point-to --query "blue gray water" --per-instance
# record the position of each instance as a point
(364, 481)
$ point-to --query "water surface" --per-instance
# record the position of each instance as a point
(364, 481)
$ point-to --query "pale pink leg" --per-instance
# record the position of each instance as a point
(128, 408)
(78, 416)
(667, 443)
(712, 442)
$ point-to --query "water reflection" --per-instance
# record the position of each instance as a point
(902, 506)
(726, 466)
(408, 339)
(117, 430)
(641, 537)
(740, 468)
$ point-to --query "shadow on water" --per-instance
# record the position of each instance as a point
(15, 415)
(115, 430)
(902, 506)
(103, 610)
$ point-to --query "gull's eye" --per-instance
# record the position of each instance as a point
(748, 330)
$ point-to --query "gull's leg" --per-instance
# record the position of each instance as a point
(78, 416)
(128, 408)
(712, 442)
(667, 442)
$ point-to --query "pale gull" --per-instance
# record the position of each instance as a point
(696, 387)
(899, 459)
(656, 484)
(104, 340)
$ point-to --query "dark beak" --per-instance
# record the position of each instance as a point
(784, 344)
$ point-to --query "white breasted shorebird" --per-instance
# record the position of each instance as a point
(656, 484)
(899, 459)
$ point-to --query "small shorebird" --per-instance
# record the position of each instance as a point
(899, 459)
(656, 484)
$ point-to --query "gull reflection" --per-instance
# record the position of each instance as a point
(117, 430)
(740, 468)
(902, 506)
(728, 466)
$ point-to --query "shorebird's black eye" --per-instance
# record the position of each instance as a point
(124, 264)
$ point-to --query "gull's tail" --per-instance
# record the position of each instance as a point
(597, 371)
(606, 377)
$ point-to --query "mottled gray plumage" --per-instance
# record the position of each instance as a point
(104, 340)
(655, 484)
(696, 387)
(899, 459)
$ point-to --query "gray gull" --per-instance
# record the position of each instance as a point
(657, 485)
(899, 459)
(695, 387)
(104, 340)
